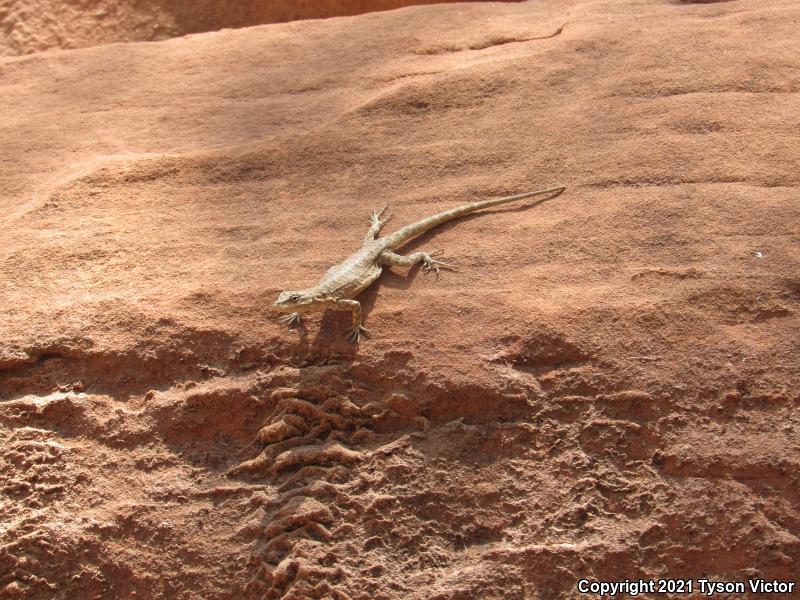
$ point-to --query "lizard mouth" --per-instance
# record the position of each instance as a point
(284, 306)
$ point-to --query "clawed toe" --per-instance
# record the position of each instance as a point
(434, 266)
(375, 217)
(290, 319)
(354, 335)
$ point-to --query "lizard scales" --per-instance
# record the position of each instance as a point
(343, 282)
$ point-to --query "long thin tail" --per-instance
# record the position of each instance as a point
(409, 232)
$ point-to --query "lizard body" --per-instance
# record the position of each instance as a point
(343, 282)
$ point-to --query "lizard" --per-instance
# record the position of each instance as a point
(343, 282)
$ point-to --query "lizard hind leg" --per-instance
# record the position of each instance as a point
(389, 259)
(430, 264)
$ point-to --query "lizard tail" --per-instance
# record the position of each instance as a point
(409, 232)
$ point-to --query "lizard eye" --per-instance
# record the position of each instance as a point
(294, 297)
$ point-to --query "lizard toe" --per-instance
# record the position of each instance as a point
(431, 265)
(354, 335)
(290, 319)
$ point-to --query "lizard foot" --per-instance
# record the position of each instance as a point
(354, 335)
(375, 217)
(290, 319)
(429, 264)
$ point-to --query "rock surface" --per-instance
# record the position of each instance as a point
(606, 389)
(28, 26)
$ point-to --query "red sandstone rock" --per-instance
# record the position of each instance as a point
(606, 389)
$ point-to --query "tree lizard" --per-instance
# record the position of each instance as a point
(343, 282)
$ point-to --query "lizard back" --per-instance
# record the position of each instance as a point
(354, 274)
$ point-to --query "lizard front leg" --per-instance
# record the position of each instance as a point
(390, 259)
(290, 319)
(376, 223)
(353, 306)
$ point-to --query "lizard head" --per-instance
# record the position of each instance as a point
(295, 301)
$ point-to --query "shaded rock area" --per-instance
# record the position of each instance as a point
(28, 26)
(605, 389)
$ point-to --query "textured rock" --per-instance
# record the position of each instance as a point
(606, 389)
(28, 26)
